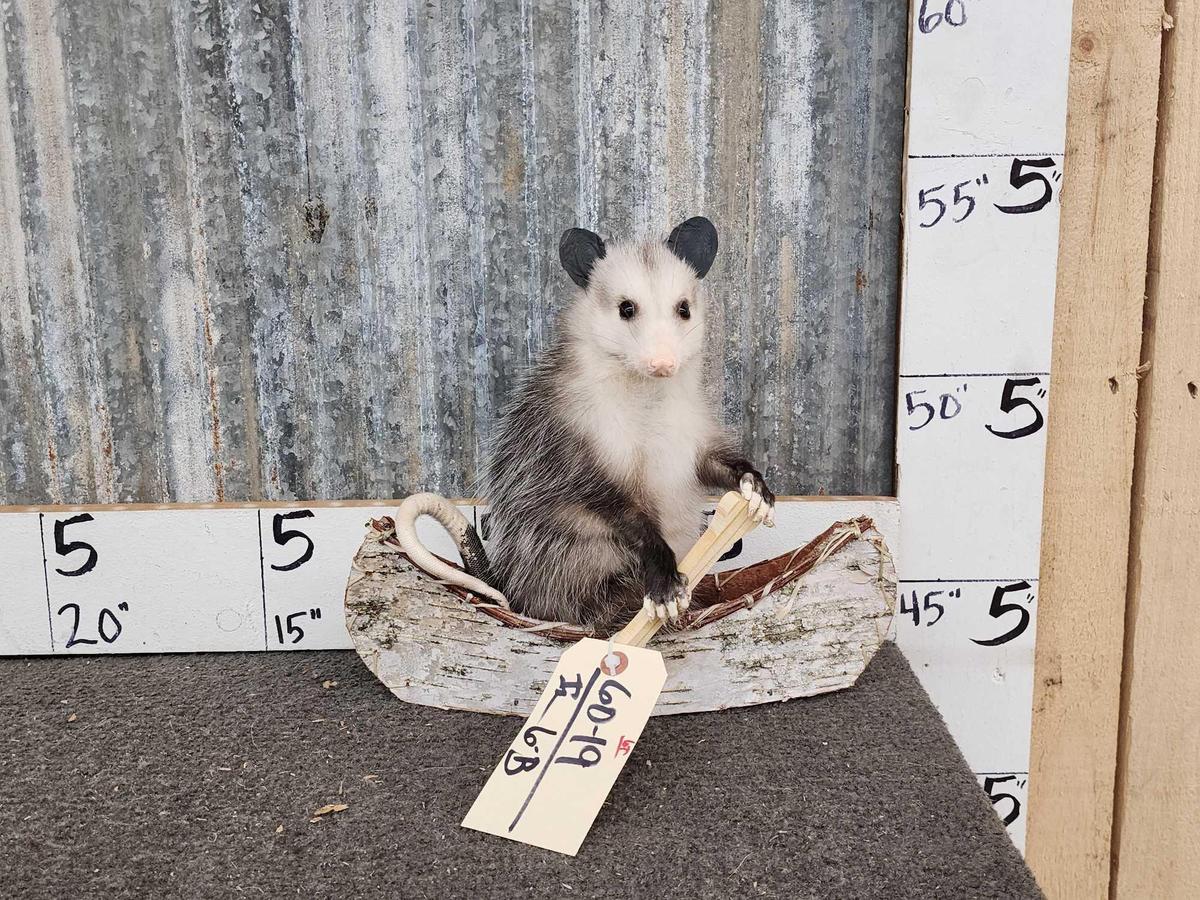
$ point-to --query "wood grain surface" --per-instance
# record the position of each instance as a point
(1156, 840)
(1111, 127)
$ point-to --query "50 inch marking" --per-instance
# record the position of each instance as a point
(950, 404)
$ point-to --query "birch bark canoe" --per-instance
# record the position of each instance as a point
(811, 635)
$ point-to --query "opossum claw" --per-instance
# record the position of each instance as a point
(747, 486)
(658, 610)
(758, 505)
(672, 603)
(762, 501)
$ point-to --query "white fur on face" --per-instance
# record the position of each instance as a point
(648, 432)
(655, 280)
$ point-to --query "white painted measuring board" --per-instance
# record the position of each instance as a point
(187, 579)
(122, 580)
(986, 141)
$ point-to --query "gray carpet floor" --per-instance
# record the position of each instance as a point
(197, 776)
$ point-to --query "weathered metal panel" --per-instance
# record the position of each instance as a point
(264, 249)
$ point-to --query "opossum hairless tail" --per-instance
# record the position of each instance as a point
(465, 537)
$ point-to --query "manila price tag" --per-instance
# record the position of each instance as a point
(553, 779)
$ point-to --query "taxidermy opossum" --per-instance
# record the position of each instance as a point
(602, 463)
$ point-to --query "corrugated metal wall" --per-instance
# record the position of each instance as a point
(258, 249)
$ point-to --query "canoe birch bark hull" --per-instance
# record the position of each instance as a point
(814, 634)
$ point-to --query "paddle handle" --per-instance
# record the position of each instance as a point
(730, 523)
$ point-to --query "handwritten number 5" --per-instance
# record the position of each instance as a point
(999, 608)
(913, 407)
(960, 198)
(292, 628)
(1009, 403)
(1018, 178)
(929, 604)
(63, 548)
(989, 783)
(923, 200)
(282, 536)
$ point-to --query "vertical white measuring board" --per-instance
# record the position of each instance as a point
(986, 140)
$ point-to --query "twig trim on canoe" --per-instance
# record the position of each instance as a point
(716, 596)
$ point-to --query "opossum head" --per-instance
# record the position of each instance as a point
(642, 305)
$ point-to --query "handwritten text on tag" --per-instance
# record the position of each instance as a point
(553, 779)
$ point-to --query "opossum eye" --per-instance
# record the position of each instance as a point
(684, 309)
(627, 309)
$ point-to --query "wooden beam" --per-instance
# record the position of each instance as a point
(1111, 127)
(1156, 835)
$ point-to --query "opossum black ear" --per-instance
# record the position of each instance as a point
(695, 242)
(578, 250)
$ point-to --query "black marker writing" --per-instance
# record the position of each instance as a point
(948, 406)
(63, 548)
(295, 631)
(927, 604)
(999, 608)
(989, 785)
(1019, 178)
(1010, 403)
(282, 536)
(954, 14)
(108, 626)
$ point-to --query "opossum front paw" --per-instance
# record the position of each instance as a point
(762, 501)
(669, 600)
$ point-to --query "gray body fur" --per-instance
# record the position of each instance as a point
(568, 541)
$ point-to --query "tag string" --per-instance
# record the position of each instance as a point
(611, 659)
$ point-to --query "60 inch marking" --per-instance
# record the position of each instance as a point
(954, 14)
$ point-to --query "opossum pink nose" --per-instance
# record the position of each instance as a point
(663, 366)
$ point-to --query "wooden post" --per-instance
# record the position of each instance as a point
(1156, 836)
(1111, 129)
